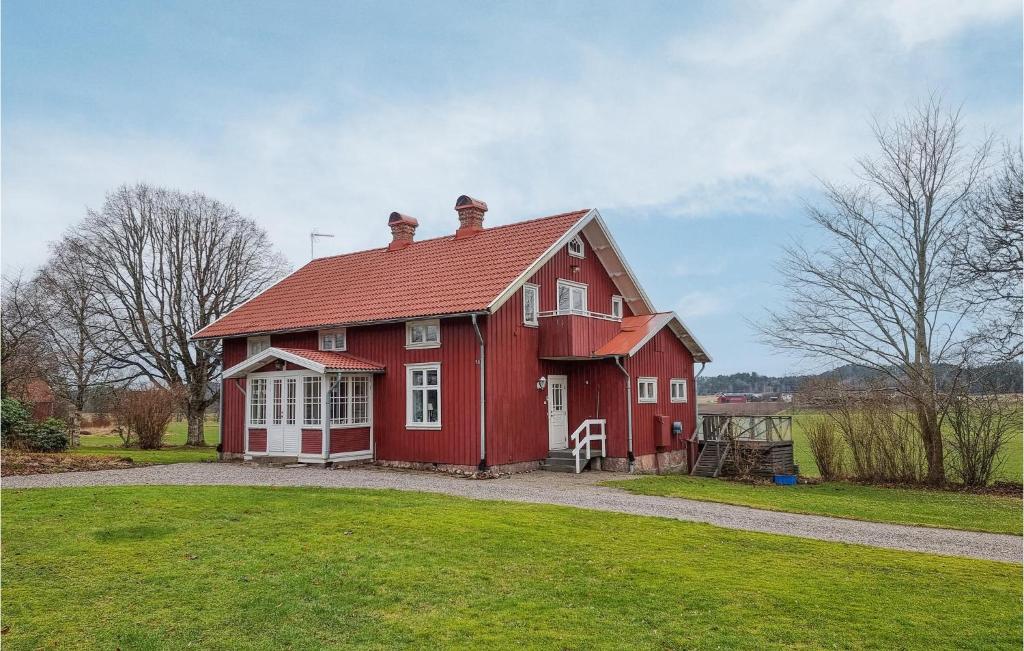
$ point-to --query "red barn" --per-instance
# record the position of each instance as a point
(492, 348)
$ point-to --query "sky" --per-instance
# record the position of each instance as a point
(700, 131)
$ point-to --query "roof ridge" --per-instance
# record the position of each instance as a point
(452, 235)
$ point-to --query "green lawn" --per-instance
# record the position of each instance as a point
(877, 504)
(174, 450)
(244, 568)
(1013, 454)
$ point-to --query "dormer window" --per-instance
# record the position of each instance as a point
(423, 334)
(576, 247)
(256, 345)
(333, 339)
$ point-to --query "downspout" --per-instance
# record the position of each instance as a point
(629, 411)
(483, 397)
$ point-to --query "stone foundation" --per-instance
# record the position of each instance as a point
(661, 463)
(230, 456)
(458, 469)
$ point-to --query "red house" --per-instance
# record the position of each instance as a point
(498, 349)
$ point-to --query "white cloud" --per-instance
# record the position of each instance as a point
(730, 120)
(703, 303)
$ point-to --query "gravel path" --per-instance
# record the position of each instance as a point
(556, 488)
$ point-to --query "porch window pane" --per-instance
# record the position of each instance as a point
(291, 388)
(311, 400)
(278, 402)
(258, 401)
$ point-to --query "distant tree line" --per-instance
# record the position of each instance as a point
(1003, 377)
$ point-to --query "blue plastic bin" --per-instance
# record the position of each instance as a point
(785, 480)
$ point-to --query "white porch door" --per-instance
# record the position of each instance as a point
(283, 430)
(558, 412)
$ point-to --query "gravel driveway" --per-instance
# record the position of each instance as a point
(555, 488)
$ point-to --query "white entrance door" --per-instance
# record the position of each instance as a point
(283, 428)
(558, 412)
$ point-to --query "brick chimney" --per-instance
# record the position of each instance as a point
(403, 229)
(471, 216)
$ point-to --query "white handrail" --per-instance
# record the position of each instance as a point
(584, 443)
(587, 313)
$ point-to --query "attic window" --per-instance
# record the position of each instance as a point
(257, 345)
(333, 339)
(576, 247)
(423, 334)
(617, 307)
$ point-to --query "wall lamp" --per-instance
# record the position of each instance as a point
(542, 382)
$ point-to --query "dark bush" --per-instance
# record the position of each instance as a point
(51, 435)
(144, 414)
(15, 417)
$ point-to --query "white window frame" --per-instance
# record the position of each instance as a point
(651, 394)
(677, 396)
(312, 403)
(409, 389)
(335, 401)
(572, 286)
(257, 402)
(576, 248)
(332, 337)
(529, 288)
(616, 301)
(256, 345)
(412, 326)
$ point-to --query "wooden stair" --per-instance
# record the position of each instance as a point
(709, 463)
(562, 461)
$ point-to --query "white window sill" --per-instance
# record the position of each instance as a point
(647, 401)
(422, 426)
(678, 401)
(350, 425)
(333, 350)
(417, 346)
(532, 325)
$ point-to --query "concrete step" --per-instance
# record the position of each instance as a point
(560, 454)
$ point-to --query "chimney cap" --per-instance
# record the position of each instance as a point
(466, 201)
(399, 218)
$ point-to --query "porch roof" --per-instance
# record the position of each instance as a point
(320, 361)
(638, 330)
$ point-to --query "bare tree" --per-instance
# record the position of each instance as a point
(165, 264)
(25, 352)
(886, 292)
(82, 349)
(994, 252)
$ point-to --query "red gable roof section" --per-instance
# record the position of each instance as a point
(433, 277)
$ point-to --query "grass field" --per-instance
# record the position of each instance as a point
(174, 450)
(253, 568)
(1012, 466)
(876, 504)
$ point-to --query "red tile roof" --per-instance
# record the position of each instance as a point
(336, 361)
(431, 277)
(634, 330)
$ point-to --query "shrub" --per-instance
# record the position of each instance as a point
(143, 415)
(979, 427)
(51, 435)
(15, 417)
(99, 420)
(827, 447)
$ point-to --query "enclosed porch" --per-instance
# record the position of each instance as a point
(306, 406)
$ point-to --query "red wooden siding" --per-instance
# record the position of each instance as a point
(574, 335)
(354, 439)
(257, 440)
(663, 357)
(312, 441)
(233, 418)
(458, 440)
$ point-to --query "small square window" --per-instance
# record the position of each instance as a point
(423, 334)
(647, 389)
(256, 345)
(333, 339)
(678, 390)
(530, 304)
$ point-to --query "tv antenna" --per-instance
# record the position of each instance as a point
(312, 239)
